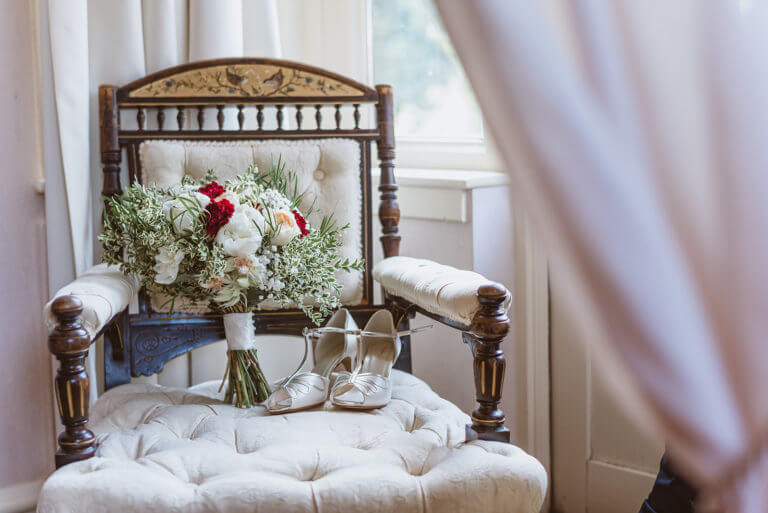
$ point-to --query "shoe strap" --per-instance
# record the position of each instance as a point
(309, 332)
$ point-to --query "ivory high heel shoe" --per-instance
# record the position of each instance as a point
(369, 385)
(336, 346)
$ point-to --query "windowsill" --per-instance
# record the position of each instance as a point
(439, 195)
(447, 178)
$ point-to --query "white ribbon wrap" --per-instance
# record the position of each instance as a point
(238, 329)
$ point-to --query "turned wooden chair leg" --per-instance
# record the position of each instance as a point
(69, 342)
(487, 332)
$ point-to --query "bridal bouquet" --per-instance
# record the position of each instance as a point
(236, 247)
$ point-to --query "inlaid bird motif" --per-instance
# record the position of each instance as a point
(235, 79)
(275, 80)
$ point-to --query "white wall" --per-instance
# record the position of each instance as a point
(26, 424)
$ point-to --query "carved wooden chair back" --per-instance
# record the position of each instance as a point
(234, 100)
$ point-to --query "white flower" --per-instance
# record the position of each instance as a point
(274, 200)
(179, 189)
(228, 295)
(230, 196)
(184, 210)
(214, 283)
(258, 273)
(285, 229)
(167, 266)
(242, 235)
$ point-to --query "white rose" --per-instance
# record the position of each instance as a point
(167, 266)
(285, 229)
(242, 235)
(184, 211)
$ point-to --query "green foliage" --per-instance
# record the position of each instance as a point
(144, 221)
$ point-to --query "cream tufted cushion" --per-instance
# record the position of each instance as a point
(328, 169)
(165, 449)
(440, 289)
(104, 291)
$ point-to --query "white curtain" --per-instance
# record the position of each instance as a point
(97, 42)
(645, 166)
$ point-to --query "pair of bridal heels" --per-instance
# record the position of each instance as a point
(366, 355)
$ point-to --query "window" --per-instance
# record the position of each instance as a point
(435, 110)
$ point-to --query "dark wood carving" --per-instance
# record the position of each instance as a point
(486, 334)
(389, 210)
(69, 342)
(155, 342)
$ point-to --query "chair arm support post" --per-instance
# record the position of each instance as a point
(488, 329)
(69, 343)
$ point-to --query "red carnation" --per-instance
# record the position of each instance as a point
(219, 213)
(301, 223)
(212, 190)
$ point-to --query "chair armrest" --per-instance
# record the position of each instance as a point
(103, 291)
(436, 288)
(76, 315)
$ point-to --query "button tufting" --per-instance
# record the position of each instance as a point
(183, 456)
(319, 175)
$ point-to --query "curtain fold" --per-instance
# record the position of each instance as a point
(69, 56)
(646, 176)
(96, 42)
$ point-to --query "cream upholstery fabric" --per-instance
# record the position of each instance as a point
(104, 291)
(437, 288)
(328, 169)
(164, 449)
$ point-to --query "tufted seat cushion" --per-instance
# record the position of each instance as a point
(439, 289)
(163, 449)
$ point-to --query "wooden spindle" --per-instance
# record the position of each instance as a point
(111, 152)
(220, 117)
(318, 116)
(337, 116)
(259, 116)
(240, 117)
(180, 118)
(299, 117)
(357, 116)
(279, 117)
(160, 118)
(140, 117)
(389, 210)
(200, 117)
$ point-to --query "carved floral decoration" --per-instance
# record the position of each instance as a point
(245, 81)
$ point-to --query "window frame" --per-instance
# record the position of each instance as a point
(472, 154)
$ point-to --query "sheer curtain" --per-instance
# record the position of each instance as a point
(114, 42)
(645, 167)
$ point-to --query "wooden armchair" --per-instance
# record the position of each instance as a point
(253, 99)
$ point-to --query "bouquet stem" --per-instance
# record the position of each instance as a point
(246, 384)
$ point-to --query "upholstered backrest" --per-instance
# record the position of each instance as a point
(329, 170)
